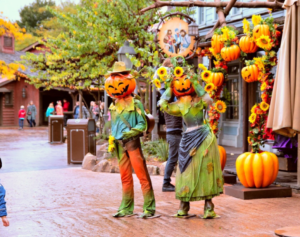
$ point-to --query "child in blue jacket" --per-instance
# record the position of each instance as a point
(3, 212)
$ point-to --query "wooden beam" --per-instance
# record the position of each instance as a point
(159, 4)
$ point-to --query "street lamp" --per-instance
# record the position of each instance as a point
(23, 93)
(126, 48)
(193, 29)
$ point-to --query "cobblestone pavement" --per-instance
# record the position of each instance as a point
(48, 198)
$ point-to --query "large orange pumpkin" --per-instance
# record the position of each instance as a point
(217, 78)
(120, 86)
(223, 156)
(260, 30)
(230, 53)
(216, 43)
(247, 45)
(182, 86)
(257, 170)
(250, 73)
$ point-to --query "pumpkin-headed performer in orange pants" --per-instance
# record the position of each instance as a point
(128, 122)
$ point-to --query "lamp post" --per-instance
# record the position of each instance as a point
(23, 93)
(193, 30)
(126, 48)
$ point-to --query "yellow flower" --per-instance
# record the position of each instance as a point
(225, 35)
(249, 140)
(178, 71)
(252, 118)
(264, 106)
(220, 106)
(264, 42)
(246, 26)
(259, 63)
(162, 72)
(157, 83)
(202, 67)
(209, 87)
(214, 127)
(206, 76)
(111, 148)
(263, 86)
(253, 108)
(111, 140)
(212, 51)
(256, 19)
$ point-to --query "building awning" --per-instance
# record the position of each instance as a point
(4, 90)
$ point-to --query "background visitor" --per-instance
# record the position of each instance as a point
(31, 114)
(50, 110)
(22, 115)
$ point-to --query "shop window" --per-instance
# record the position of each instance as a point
(8, 42)
(232, 96)
(201, 16)
(8, 99)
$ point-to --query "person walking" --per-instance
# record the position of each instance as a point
(3, 212)
(50, 110)
(31, 114)
(22, 115)
(59, 109)
(66, 105)
(85, 112)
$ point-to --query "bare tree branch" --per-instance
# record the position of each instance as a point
(159, 4)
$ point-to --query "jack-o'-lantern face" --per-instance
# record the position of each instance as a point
(182, 86)
(119, 86)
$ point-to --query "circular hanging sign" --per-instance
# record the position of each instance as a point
(174, 39)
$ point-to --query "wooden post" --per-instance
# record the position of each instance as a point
(245, 116)
(298, 162)
(80, 104)
(154, 133)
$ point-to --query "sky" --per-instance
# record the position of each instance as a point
(10, 8)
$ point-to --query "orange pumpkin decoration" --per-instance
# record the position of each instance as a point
(247, 45)
(217, 78)
(260, 30)
(257, 170)
(230, 53)
(250, 73)
(216, 43)
(119, 86)
(223, 156)
(182, 86)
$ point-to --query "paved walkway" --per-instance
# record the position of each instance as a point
(45, 197)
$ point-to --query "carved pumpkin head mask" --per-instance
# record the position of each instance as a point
(182, 86)
(119, 85)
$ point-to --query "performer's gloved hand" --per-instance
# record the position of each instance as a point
(131, 133)
(198, 88)
(166, 96)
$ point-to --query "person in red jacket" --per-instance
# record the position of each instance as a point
(22, 115)
(66, 109)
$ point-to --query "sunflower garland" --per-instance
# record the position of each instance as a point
(220, 106)
(209, 87)
(178, 71)
(206, 76)
(162, 72)
(157, 83)
(111, 144)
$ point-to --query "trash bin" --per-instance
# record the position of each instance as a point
(80, 137)
(55, 128)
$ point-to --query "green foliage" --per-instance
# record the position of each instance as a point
(159, 148)
(33, 14)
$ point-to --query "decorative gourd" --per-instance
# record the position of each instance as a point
(257, 170)
(217, 78)
(182, 86)
(230, 53)
(247, 45)
(216, 43)
(223, 156)
(260, 30)
(250, 73)
(119, 86)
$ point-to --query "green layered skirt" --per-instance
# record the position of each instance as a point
(202, 179)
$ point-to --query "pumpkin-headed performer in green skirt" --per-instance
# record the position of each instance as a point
(199, 176)
(128, 122)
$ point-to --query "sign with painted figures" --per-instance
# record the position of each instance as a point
(174, 39)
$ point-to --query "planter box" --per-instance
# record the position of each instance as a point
(287, 164)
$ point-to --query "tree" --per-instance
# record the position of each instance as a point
(33, 14)
(10, 29)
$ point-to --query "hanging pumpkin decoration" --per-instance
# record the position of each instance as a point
(119, 85)
(230, 53)
(223, 156)
(216, 43)
(217, 78)
(250, 73)
(182, 86)
(257, 170)
(247, 45)
(260, 30)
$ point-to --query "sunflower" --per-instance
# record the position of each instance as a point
(225, 35)
(264, 42)
(202, 67)
(259, 63)
(163, 78)
(264, 106)
(209, 87)
(220, 106)
(178, 71)
(111, 140)
(157, 83)
(162, 72)
(246, 26)
(263, 86)
(256, 19)
(111, 148)
(252, 118)
(206, 76)
(253, 108)
(249, 140)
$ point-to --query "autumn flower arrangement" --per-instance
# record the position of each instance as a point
(111, 144)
